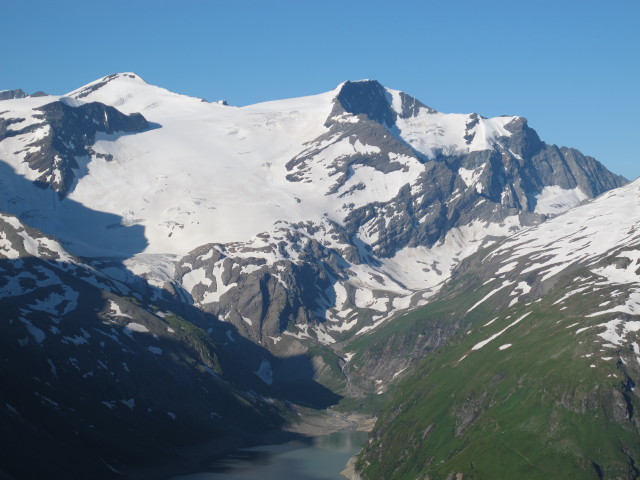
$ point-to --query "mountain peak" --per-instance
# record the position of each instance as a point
(377, 102)
(129, 93)
(126, 78)
(367, 97)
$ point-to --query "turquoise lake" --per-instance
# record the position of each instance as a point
(316, 458)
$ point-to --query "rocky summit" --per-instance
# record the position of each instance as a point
(157, 248)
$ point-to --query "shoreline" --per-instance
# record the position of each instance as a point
(194, 458)
(349, 471)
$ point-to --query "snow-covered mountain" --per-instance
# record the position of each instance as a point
(300, 218)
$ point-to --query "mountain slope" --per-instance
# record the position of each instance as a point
(540, 381)
(99, 378)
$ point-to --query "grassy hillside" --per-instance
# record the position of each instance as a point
(543, 399)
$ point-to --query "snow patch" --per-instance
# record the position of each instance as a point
(135, 327)
(554, 200)
(617, 330)
(479, 345)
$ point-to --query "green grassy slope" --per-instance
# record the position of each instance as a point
(554, 404)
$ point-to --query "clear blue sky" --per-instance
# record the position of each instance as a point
(572, 67)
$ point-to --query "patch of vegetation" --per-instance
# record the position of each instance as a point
(198, 339)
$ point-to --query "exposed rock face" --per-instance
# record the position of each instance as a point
(19, 93)
(11, 94)
(65, 135)
(280, 283)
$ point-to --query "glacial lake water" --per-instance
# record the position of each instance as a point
(316, 458)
